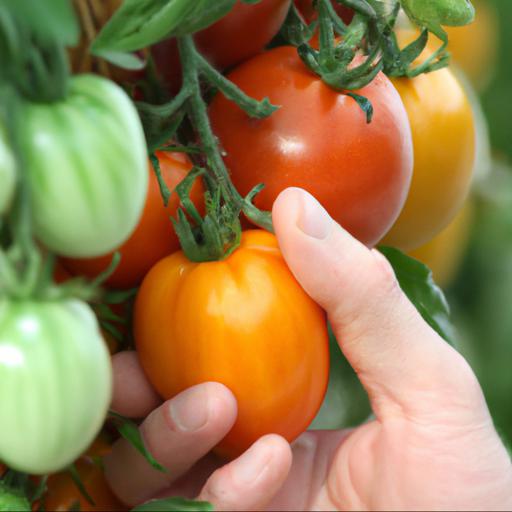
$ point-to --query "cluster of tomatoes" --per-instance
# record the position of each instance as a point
(398, 180)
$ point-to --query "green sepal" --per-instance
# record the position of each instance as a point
(212, 237)
(365, 104)
(130, 431)
(295, 31)
(51, 21)
(77, 480)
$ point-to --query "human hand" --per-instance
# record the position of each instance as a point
(432, 445)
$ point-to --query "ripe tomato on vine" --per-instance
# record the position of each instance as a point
(319, 140)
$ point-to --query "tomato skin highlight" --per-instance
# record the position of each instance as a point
(243, 33)
(318, 140)
(244, 322)
(154, 238)
(54, 365)
(444, 138)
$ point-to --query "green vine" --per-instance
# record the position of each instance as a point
(218, 233)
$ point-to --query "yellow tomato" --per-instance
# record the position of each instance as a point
(444, 138)
(474, 46)
(444, 254)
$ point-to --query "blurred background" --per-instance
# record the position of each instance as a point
(472, 258)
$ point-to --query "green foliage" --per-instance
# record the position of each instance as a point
(416, 281)
(130, 431)
(141, 23)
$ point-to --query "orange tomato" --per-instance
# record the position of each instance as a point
(154, 237)
(244, 322)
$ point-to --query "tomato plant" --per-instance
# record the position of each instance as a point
(307, 10)
(318, 140)
(154, 233)
(53, 365)
(7, 174)
(243, 33)
(444, 137)
(226, 317)
(85, 159)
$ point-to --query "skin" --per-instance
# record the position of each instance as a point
(320, 140)
(431, 446)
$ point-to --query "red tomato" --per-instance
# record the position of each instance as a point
(243, 33)
(307, 10)
(319, 140)
(154, 237)
(244, 322)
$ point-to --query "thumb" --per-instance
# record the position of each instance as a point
(405, 367)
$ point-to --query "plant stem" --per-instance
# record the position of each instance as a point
(199, 116)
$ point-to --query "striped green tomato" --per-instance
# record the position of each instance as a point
(7, 174)
(56, 381)
(86, 164)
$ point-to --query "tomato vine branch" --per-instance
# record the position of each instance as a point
(218, 233)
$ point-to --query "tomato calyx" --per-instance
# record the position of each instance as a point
(18, 491)
(40, 72)
(218, 233)
(370, 31)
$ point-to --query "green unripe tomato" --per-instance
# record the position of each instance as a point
(436, 13)
(7, 174)
(56, 382)
(86, 165)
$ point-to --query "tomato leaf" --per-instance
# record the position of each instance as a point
(416, 281)
(174, 505)
(130, 431)
(141, 23)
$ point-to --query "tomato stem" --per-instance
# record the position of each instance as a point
(218, 234)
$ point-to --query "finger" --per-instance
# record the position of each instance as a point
(177, 434)
(403, 364)
(133, 395)
(251, 481)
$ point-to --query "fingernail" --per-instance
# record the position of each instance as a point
(190, 410)
(252, 464)
(313, 220)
